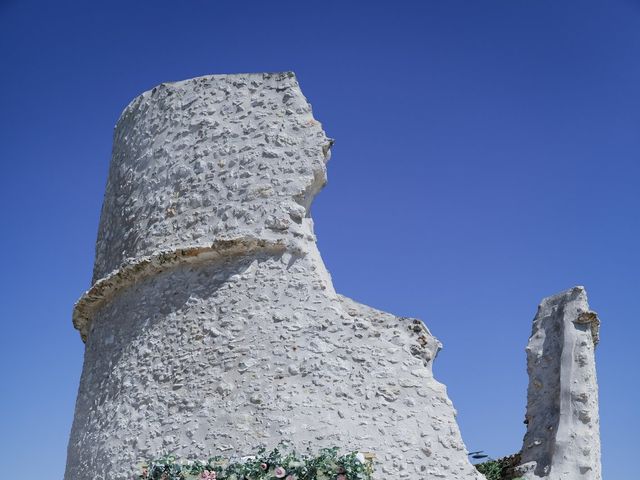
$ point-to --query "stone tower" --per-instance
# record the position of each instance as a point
(212, 326)
(563, 431)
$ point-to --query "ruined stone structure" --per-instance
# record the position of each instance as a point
(563, 435)
(212, 326)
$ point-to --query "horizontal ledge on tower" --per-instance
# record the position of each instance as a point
(151, 265)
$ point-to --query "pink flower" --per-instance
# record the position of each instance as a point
(208, 475)
(263, 466)
(342, 476)
(280, 472)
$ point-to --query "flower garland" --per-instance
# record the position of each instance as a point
(327, 465)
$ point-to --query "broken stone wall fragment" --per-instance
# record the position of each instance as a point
(563, 435)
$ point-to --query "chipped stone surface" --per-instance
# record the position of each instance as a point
(212, 158)
(212, 326)
(563, 434)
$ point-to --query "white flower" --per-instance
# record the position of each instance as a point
(360, 457)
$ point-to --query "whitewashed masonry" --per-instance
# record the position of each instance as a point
(212, 326)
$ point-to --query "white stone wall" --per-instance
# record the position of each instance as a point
(212, 326)
(207, 159)
(563, 435)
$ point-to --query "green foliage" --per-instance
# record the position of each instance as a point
(491, 469)
(275, 465)
(502, 469)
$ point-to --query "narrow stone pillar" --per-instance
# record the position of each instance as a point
(563, 434)
(212, 326)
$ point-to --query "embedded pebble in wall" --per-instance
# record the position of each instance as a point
(212, 326)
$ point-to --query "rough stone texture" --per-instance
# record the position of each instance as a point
(563, 434)
(212, 326)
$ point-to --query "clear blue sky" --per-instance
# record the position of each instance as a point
(487, 156)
